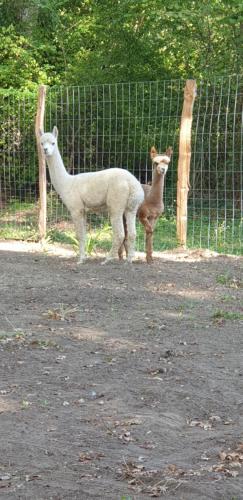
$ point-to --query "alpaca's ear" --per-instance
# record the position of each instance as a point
(169, 151)
(153, 152)
(40, 132)
(55, 131)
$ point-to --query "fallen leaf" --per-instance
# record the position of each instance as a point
(148, 446)
(233, 456)
(215, 418)
(222, 455)
(200, 423)
(232, 473)
(86, 457)
(32, 477)
(126, 437)
(133, 421)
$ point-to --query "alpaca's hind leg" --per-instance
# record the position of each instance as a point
(120, 251)
(146, 223)
(124, 243)
(118, 236)
(80, 228)
(131, 235)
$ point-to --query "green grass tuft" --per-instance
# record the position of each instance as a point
(232, 316)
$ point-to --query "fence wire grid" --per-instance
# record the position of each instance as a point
(103, 126)
(215, 198)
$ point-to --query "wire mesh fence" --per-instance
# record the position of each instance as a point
(103, 126)
(18, 164)
(215, 204)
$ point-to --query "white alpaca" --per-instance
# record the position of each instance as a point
(114, 190)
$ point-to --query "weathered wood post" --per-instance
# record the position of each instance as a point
(39, 125)
(183, 182)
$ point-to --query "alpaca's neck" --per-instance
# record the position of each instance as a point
(157, 187)
(59, 176)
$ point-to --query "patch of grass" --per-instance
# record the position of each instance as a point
(10, 336)
(99, 239)
(62, 313)
(220, 235)
(28, 233)
(232, 316)
(223, 279)
(229, 281)
(64, 237)
(20, 221)
(20, 207)
(44, 344)
(24, 405)
(199, 236)
(44, 403)
(228, 298)
(189, 304)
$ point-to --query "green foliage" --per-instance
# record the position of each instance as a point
(99, 239)
(19, 62)
(111, 40)
(64, 237)
(18, 165)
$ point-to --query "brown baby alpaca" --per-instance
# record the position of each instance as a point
(153, 205)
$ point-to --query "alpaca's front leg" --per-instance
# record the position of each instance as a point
(149, 242)
(80, 227)
(149, 247)
(82, 241)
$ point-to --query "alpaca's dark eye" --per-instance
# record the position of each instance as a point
(42, 143)
(155, 163)
(53, 143)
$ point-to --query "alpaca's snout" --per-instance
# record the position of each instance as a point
(47, 151)
(162, 169)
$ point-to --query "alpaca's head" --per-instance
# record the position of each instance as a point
(48, 141)
(160, 161)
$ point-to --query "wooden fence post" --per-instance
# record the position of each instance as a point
(183, 182)
(39, 125)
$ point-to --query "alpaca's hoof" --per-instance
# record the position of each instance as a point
(81, 261)
(149, 260)
(130, 258)
(108, 260)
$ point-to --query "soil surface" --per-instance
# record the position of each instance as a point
(120, 382)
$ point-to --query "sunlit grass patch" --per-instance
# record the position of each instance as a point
(19, 221)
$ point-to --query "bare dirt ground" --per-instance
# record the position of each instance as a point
(120, 382)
